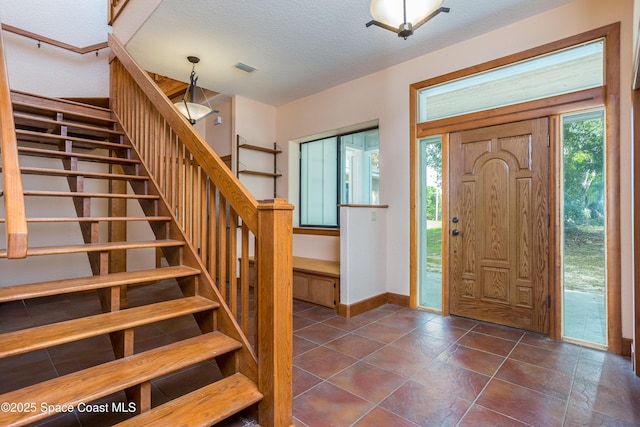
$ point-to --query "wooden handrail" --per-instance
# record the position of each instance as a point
(40, 38)
(115, 7)
(217, 216)
(16, 218)
(239, 197)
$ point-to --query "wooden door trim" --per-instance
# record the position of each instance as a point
(608, 95)
(636, 241)
(555, 236)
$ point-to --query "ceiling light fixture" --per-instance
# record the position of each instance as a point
(188, 106)
(406, 18)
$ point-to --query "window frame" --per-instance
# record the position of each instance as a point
(607, 95)
(338, 172)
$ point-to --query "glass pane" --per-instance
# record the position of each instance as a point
(584, 256)
(431, 223)
(556, 73)
(319, 182)
(360, 168)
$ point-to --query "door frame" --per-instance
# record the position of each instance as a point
(607, 95)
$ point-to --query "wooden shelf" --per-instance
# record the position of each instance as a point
(259, 148)
(271, 151)
(269, 174)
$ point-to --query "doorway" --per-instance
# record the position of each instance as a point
(499, 224)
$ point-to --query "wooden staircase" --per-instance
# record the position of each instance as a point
(83, 148)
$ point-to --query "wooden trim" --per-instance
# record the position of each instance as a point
(627, 346)
(446, 233)
(40, 38)
(115, 8)
(555, 232)
(414, 216)
(16, 217)
(636, 222)
(581, 100)
(612, 190)
(364, 206)
(608, 95)
(317, 231)
(98, 102)
(397, 299)
(373, 302)
(636, 62)
(520, 56)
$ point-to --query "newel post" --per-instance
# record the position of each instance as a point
(275, 311)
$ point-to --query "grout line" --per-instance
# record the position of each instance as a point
(473, 403)
(573, 381)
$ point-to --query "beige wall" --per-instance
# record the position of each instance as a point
(256, 123)
(49, 70)
(385, 96)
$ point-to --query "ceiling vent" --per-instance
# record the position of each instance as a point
(244, 67)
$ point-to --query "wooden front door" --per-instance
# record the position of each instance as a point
(499, 208)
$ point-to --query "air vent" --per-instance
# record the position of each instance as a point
(244, 67)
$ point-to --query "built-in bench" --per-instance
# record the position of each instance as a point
(314, 280)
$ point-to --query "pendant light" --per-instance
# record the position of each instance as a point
(188, 105)
(403, 17)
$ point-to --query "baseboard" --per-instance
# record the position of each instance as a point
(397, 299)
(626, 347)
(371, 303)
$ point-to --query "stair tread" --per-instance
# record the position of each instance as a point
(108, 378)
(86, 194)
(41, 337)
(46, 106)
(97, 247)
(85, 174)
(21, 118)
(79, 156)
(97, 219)
(55, 287)
(102, 219)
(203, 407)
(34, 136)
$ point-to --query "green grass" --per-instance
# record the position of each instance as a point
(434, 246)
(584, 261)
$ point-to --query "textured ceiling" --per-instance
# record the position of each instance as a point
(300, 47)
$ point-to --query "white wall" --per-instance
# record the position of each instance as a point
(256, 123)
(49, 70)
(220, 135)
(385, 96)
(132, 17)
(320, 247)
(363, 243)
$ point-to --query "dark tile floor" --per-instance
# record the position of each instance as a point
(394, 366)
(391, 366)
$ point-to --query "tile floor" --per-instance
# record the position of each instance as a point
(391, 366)
(394, 366)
